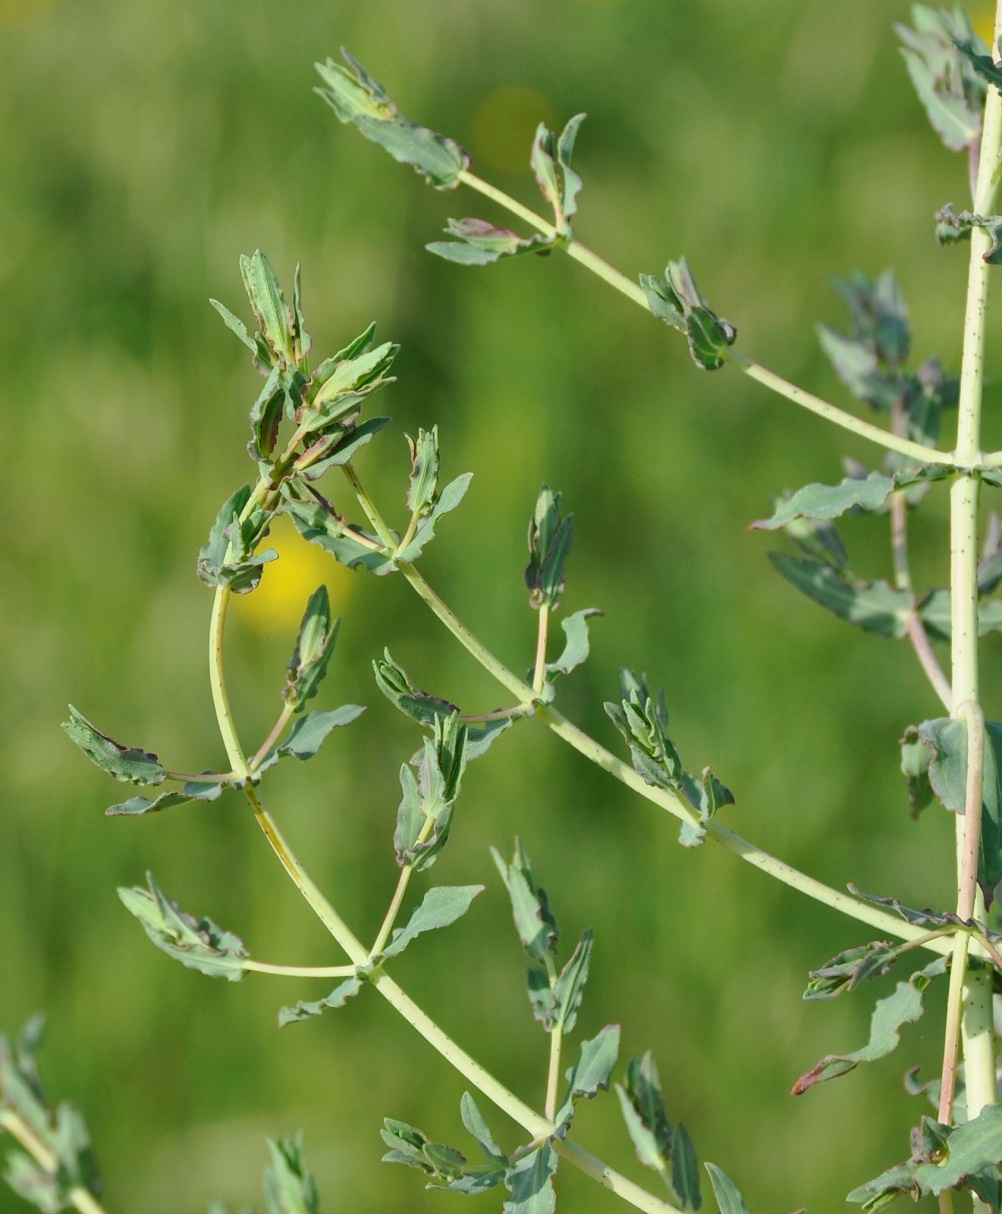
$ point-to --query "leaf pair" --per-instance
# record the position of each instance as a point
(427, 503)
(666, 1148)
(229, 558)
(430, 786)
(677, 301)
(643, 722)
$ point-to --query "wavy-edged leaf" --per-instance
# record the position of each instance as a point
(308, 734)
(904, 1006)
(314, 646)
(946, 80)
(442, 905)
(338, 997)
(551, 163)
(350, 546)
(951, 227)
(355, 97)
(424, 815)
(190, 790)
(659, 1145)
(227, 558)
(551, 534)
(593, 1069)
(197, 943)
(873, 606)
(826, 502)
(476, 1125)
(334, 450)
(576, 644)
(530, 1182)
(475, 242)
(851, 968)
(128, 764)
(568, 990)
(448, 500)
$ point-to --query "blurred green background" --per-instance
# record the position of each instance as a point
(144, 147)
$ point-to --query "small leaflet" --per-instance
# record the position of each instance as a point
(530, 1182)
(576, 645)
(551, 163)
(551, 534)
(126, 763)
(534, 920)
(951, 227)
(337, 998)
(851, 968)
(475, 242)
(190, 790)
(447, 501)
(197, 943)
(677, 301)
(729, 1199)
(355, 97)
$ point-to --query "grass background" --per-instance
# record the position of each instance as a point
(145, 146)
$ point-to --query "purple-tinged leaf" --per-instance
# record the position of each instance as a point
(475, 242)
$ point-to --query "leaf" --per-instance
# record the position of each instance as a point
(350, 546)
(551, 164)
(590, 1074)
(729, 1199)
(288, 1188)
(314, 646)
(825, 502)
(448, 500)
(475, 242)
(440, 906)
(947, 82)
(530, 1182)
(338, 997)
(851, 968)
(227, 559)
(872, 606)
(934, 758)
(126, 763)
(335, 449)
(903, 1007)
(550, 537)
(476, 1125)
(309, 733)
(534, 921)
(356, 97)
(965, 1151)
(921, 918)
(197, 943)
(422, 486)
(677, 301)
(576, 645)
(951, 227)
(974, 51)
(234, 324)
(425, 812)
(268, 303)
(669, 1151)
(568, 989)
(339, 385)
(190, 790)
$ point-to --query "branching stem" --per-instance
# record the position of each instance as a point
(82, 1200)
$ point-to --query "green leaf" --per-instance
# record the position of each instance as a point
(440, 906)
(576, 645)
(825, 502)
(288, 1187)
(677, 301)
(475, 242)
(530, 1182)
(568, 989)
(268, 302)
(338, 997)
(126, 763)
(903, 1007)
(448, 500)
(851, 968)
(669, 1151)
(425, 812)
(349, 545)
(309, 733)
(921, 918)
(951, 227)
(476, 1125)
(946, 80)
(190, 790)
(234, 324)
(872, 606)
(590, 1074)
(551, 164)
(228, 559)
(339, 385)
(534, 921)
(976, 54)
(422, 486)
(729, 1199)
(964, 1152)
(197, 943)
(335, 449)
(550, 537)
(314, 646)
(355, 97)
(934, 758)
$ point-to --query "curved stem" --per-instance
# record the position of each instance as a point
(768, 379)
(217, 682)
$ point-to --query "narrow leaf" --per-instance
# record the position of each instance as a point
(568, 989)
(126, 763)
(309, 733)
(337, 998)
(576, 646)
(475, 242)
(729, 1199)
(872, 606)
(288, 1187)
(590, 1074)
(440, 906)
(191, 790)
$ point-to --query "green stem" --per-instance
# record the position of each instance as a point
(82, 1200)
(553, 1072)
(300, 971)
(976, 999)
(542, 634)
(217, 682)
(285, 716)
(768, 379)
